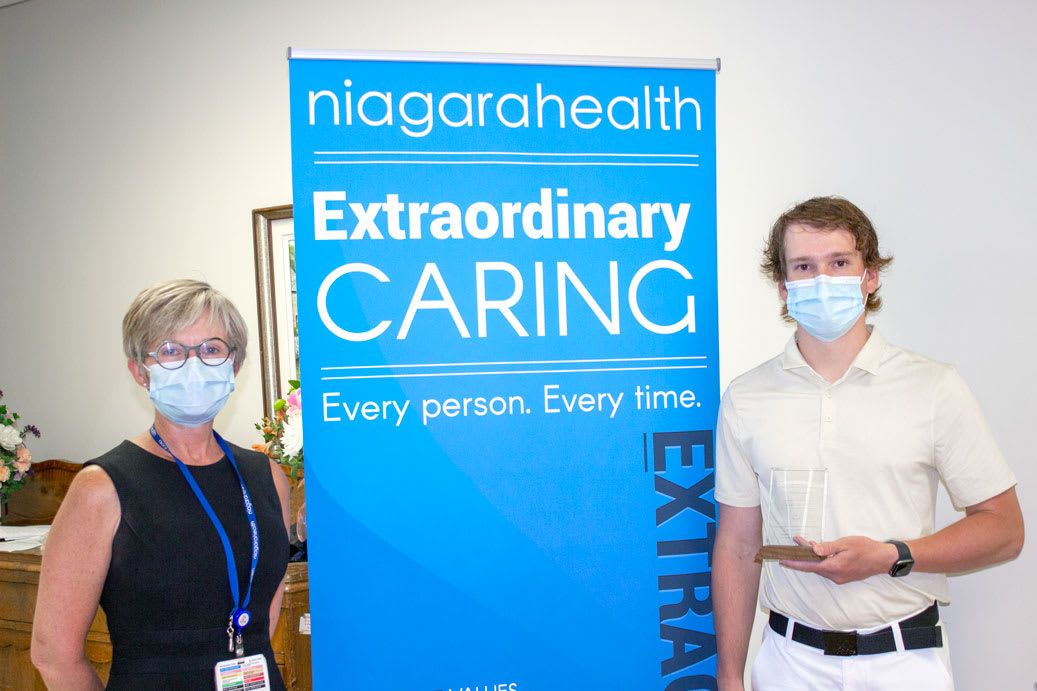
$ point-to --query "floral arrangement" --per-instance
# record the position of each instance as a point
(15, 459)
(282, 435)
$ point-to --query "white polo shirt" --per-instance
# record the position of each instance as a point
(887, 432)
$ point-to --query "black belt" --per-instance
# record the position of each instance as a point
(917, 632)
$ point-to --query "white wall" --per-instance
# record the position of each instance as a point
(137, 135)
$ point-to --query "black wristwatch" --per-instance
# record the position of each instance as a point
(904, 563)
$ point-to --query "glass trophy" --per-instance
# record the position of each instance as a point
(793, 504)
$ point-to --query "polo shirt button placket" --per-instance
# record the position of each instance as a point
(827, 410)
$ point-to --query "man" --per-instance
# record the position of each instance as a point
(886, 425)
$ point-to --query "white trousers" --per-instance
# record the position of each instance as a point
(785, 665)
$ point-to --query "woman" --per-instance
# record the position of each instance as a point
(134, 536)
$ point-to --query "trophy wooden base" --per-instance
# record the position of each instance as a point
(787, 553)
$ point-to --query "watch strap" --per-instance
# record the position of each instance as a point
(902, 566)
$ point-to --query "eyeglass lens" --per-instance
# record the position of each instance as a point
(212, 352)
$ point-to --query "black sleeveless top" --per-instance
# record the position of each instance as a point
(167, 596)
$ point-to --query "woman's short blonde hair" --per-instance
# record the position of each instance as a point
(165, 308)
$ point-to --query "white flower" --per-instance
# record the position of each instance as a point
(10, 439)
(291, 441)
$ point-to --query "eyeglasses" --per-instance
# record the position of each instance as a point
(212, 352)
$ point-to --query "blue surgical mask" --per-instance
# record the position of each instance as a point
(826, 306)
(194, 393)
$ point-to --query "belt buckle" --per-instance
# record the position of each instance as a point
(842, 643)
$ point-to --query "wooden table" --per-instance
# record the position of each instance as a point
(19, 582)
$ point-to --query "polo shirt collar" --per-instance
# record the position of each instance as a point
(870, 356)
(868, 359)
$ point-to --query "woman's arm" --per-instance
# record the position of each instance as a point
(75, 565)
(283, 491)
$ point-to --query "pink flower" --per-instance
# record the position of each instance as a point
(294, 401)
(5, 473)
(24, 459)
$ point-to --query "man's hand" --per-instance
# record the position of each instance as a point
(847, 559)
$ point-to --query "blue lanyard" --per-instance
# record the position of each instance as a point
(239, 616)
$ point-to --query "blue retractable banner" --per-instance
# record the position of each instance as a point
(506, 271)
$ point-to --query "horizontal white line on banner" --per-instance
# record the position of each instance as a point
(541, 371)
(496, 153)
(507, 163)
(501, 363)
(712, 64)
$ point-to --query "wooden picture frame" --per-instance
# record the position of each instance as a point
(273, 234)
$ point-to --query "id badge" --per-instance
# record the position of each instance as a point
(243, 674)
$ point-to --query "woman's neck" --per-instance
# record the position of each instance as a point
(191, 445)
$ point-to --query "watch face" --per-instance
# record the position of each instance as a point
(902, 568)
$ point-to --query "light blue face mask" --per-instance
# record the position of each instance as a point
(826, 306)
(194, 393)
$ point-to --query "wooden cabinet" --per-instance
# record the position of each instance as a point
(19, 581)
(291, 648)
(38, 501)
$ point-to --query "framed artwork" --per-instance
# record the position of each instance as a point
(273, 232)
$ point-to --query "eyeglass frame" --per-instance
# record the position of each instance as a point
(188, 349)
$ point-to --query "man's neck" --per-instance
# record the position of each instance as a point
(832, 359)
